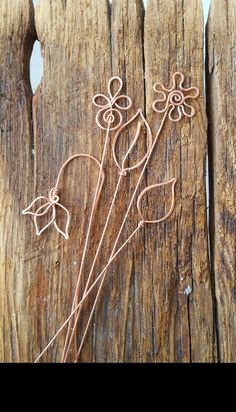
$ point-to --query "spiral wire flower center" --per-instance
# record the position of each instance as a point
(176, 97)
(108, 116)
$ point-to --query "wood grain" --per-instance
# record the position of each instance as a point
(75, 68)
(221, 103)
(118, 324)
(160, 302)
(178, 257)
(16, 169)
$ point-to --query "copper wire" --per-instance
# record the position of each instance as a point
(171, 97)
(122, 172)
(174, 99)
(75, 300)
(108, 118)
(52, 201)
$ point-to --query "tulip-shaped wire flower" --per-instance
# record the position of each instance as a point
(51, 203)
(50, 206)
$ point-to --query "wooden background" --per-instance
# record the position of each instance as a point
(144, 313)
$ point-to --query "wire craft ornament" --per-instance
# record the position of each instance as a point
(173, 103)
(52, 202)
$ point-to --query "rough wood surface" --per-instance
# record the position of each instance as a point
(182, 322)
(16, 169)
(119, 326)
(75, 68)
(145, 312)
(221, 103)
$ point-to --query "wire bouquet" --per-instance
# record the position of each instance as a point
(172, 103)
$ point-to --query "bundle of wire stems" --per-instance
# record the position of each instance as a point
(175, 104)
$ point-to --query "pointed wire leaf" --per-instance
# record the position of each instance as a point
(141, 120)
(171, 182)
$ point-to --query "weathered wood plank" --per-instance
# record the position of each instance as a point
(115, 332)
(120, 310)
(144, 313)
(221, 104)
(111, 337)
(75, 45)
(16, 171)
(178, 257)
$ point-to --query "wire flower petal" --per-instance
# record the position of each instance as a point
(125, 99)
(114, 83)
(175, 111)
(188, 110)
(194, 93)
(52, 203)
(37, 217)
(36, 202)
(63, 232)
(102, 101)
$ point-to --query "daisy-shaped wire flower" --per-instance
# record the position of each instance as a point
(175, 100)
(49, 207)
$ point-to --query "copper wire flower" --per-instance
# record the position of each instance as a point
(111, 105)
(50, 206)
(176, 99)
